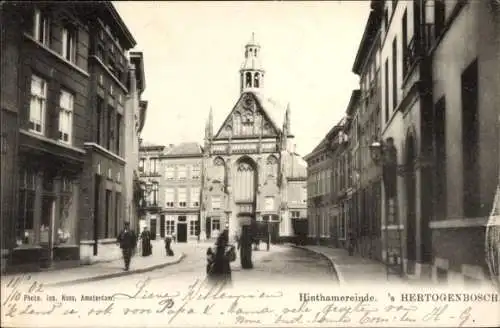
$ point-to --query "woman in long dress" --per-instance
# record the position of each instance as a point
(493, 241)
(146, 242)
(218, 260)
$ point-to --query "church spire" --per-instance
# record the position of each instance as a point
(251, 72)
(287, 118)
(211, 123)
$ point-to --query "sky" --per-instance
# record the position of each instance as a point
(193, 52)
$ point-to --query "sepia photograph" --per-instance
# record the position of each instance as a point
(250, 163)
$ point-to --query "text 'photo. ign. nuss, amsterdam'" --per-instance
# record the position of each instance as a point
(249, 163)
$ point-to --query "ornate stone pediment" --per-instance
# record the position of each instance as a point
(247, 119)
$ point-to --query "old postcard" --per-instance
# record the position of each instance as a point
(250, 164)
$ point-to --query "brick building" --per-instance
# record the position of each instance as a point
(62, 66)
(173, 203)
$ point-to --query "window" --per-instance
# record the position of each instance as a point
(182, 172)
(26, 208)
(69, 43)
(269, 203)
(386, 90)
(38, 104)
(181, 195)
(404, 42)
(154, 165)
(195, 172)
(66, 101)
(470, 143)
(99, 119)
(295, 214)
(394, 74)
(272, 166)
(195, 196)
(216, 202)
(193, 227)
(41, 27)
(170, 172)
(141, 165)
(110, 128)
(155, 193)
(170, 197)
(170, 225)
(118, 133)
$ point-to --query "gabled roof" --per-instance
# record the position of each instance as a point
(185, 148)
(270, 109)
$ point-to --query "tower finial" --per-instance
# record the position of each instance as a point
(287, 117)
(253, 36)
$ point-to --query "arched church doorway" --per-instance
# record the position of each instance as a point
(245, 190)
(411, 217)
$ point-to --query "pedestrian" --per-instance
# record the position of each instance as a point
(245, 247)
(127, 239)
(147, 248)
(168, 242)
(219, 258)
(351, 242)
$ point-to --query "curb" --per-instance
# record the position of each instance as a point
(115, 274)
(340, 278)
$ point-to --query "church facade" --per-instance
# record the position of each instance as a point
(250, 170)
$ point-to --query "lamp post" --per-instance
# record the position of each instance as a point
(384, 154)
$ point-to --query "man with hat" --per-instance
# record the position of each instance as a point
(128, 241)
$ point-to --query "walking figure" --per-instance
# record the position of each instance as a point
(147, 248)
(219, 258)
(128, 242)
(245, 247)
(168, 242)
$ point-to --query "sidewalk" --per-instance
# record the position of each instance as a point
(109, 269)
(353, 269)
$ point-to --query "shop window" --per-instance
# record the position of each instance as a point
(26, 207)
(170, 226)
(193, 227)
(65, 233)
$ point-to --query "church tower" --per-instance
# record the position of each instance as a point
(251, 72)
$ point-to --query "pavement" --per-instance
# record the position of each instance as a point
(110, 269)
(353, 269)
(346, 269)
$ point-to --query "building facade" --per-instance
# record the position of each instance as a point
(135, 117)
(49, 145)
(247, 162)
(422, 82)
(466, 134)
(173, 203)
(367, 67)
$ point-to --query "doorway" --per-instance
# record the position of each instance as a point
(152, 228)
(162, 226)
(411, 230)
(47, 228)
(181, 232)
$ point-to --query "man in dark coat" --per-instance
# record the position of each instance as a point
(245, 247)
(146, 242)
(128, 241)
